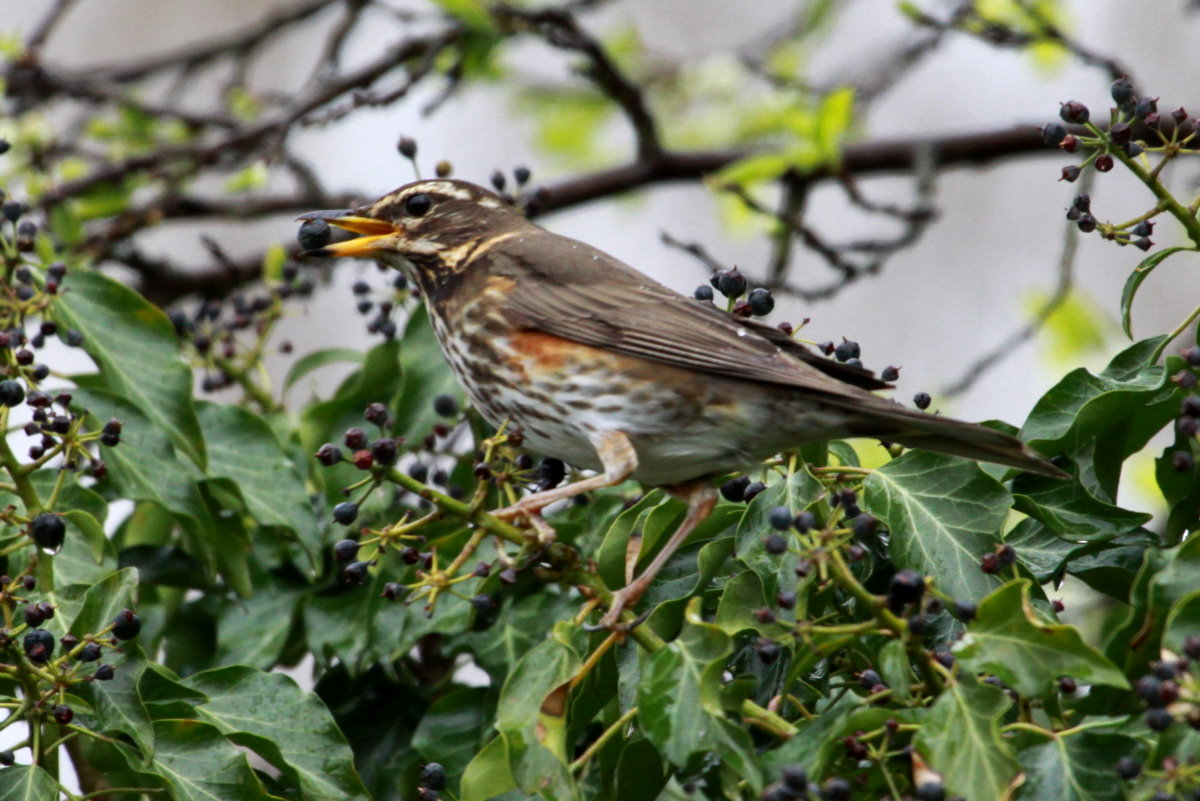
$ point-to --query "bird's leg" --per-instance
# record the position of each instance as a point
(616, 454)
(700, 497)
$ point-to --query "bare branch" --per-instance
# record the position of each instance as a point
(45, 27)
(1008, 345)
(560, 29)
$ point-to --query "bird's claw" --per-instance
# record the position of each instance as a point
(533, 514)
(621, 600)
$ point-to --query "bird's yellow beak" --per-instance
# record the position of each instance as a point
(371, 232)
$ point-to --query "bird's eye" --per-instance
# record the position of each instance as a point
(418, 205)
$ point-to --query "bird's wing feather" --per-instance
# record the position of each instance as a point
(585, 295)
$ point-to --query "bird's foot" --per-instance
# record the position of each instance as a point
(625, 598)
(533, 514)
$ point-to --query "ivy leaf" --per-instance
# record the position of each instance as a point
(378, 379)
(1166, 578)
(1140, 274)
(318, 359)
(144, 467)
(198, 764)
(679, 698)
(1115, 413)
(1078, 767)
(27, 783)
(1071, 511)
(1008, 639)
(286, 726)
(243, 449)
(944, 513)
(452, 730)
(117, 704)
(961, 740)
(488, 775)
(133, 344)
(798, 491)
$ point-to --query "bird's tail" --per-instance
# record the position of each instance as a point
(931, 432)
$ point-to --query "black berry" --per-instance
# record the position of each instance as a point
(735, 489)
(780, 517)
(922, 400)
(906, 587)
(760, 301)
(11, 392)
(847, 350)
(345, 550)
(329, 454)
(1122, 91)
(433, 776)
(313, 234)
(48, 531)
(1127, 768)
(90, 652)
(38, 645)
(1074, 112)
(126, 625)
(703, 292)
(103, 673)
(345, 512)
(1053, 133)
(446, 406)
(775, 544)
(752, 490)
(731, 283)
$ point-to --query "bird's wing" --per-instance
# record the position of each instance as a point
(583, 294)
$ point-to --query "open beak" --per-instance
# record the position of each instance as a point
(370, 232)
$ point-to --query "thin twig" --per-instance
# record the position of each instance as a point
(1062, 288)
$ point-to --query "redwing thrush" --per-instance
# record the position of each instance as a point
(606, 369)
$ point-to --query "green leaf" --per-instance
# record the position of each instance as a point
(198, 764)
(84, 559)
(378, 379)
(117, 704)
(543, 668)
(145, 468)
(679, 699)
(611, 554)
(1183, 621)
(452, 730)
(254, 630)
(1078, 767)
(1139, 274)
(286, 726)
(895, 668)
(797, 492)
(1123, 406)
(944, 513)
(243, 449)
(318, 359)
(27, 783)
(103, 600)
(133, 344)
(1180, 489)
(488, 775)
(1071, 511)
(1166, 578)
(1029, 654)
(961, 740)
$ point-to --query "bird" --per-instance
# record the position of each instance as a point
(611, 371)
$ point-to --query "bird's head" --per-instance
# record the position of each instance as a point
(426, 228)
